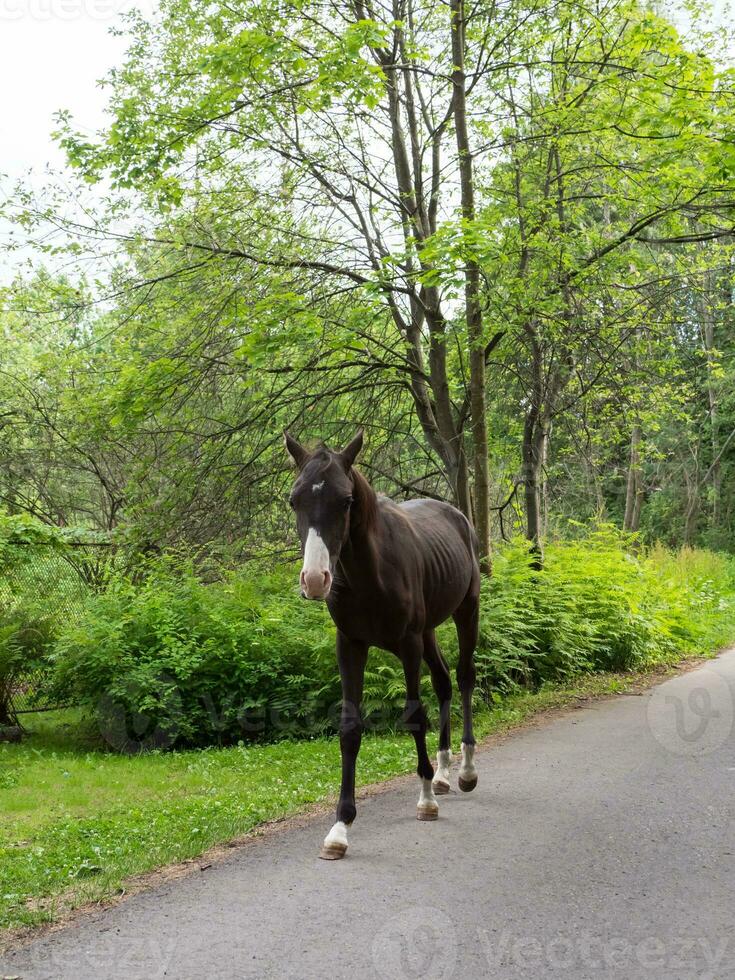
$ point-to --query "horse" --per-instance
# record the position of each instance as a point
(390, 573)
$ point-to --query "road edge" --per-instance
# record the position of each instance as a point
(635, 684)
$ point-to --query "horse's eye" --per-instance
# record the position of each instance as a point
(347, 503)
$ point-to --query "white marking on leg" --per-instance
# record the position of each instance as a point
(427, 807)
(427, 793)
(337, 835)
(467, 770)
(316, 577)
(441, 776)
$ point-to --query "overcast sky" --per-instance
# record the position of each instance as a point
(52, 52)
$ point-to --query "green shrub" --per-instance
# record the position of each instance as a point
(173, 660)
(599, 606)
(35, 586)
(169, 660)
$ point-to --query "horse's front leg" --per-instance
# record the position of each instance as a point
(351, 659)
(411, 654)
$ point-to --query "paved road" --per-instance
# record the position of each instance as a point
(598, 845)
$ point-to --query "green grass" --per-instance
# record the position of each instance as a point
(76, 822)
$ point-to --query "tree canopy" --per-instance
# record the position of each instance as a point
(496, 234)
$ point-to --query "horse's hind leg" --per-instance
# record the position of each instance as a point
(411, 652)
(466, 619)
(442, 684)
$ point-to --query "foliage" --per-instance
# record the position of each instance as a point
(310, 269)
(598, 605)
(173, 661)
(38, 590)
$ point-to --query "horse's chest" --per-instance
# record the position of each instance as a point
(378, 620)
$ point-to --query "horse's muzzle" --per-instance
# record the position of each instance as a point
(315, 584)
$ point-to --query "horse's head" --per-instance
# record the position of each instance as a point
(321, 498)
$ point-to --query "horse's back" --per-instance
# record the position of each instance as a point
(433, 519)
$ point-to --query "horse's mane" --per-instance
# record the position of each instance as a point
(366, 501)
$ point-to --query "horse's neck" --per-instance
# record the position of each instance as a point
(359, 561)
(360, 555)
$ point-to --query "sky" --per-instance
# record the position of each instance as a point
(52, 55)
(52, 52)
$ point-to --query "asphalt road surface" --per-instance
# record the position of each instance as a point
(599, 844)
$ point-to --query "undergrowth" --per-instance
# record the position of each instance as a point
(170, 661)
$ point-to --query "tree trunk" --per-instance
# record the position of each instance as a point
(709, 346)
(633, 490)
(473, 310)
(637, 511)
(534, 439)
(544, 482)
(692, 511)
(430, 390)
(706, 301)
(461, 482)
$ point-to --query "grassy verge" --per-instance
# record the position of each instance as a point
(75, 823)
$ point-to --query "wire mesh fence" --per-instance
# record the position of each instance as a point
(30, 693)
(41, 588)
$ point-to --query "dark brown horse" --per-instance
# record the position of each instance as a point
(390, 574)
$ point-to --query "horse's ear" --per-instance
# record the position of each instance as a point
(349, 453)
(295, 450)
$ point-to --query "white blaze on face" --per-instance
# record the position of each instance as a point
(316, 578)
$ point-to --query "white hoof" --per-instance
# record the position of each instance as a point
(467, 772)
(441, 776)
(427, 808)
(335, 843)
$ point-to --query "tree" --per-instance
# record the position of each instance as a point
(615, 143)
(470, 226)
